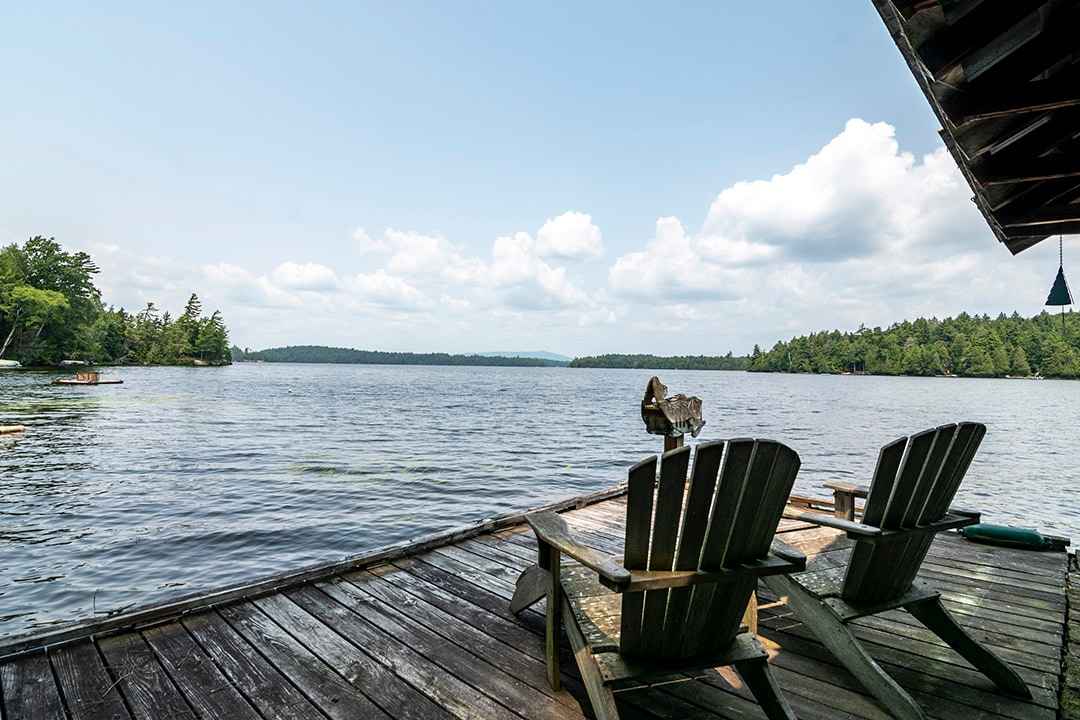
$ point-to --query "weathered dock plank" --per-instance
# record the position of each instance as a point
(204, 687)
(374, 680)
(475, 638)
(28, 688)
(316, 680)
(141, 679)
(88, 690)
(426, 633)
(265, 688)
(455, 695)
(487, 678)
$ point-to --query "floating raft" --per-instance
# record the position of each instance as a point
(86, 378)
(423, 630)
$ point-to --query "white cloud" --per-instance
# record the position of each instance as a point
(525, 281)
(598, 317)
(570, 236)
(237, 285)
(859, 195)
(514, 274)
(366, 244)
(309, 276)
(454, 305)
(793, 282)
(97, 250)
(387, 290)
(417, 254)
(672, 267)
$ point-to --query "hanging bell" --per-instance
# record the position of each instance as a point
(1059, 293)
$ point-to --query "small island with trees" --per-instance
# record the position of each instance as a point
(51, 312)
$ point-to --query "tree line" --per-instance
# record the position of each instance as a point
(964, 346)
(653, 362)
(50, 310)
(323, 354)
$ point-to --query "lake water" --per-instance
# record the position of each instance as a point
(184, 479)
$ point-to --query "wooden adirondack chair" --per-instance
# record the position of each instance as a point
(906, 504)
(693, 554)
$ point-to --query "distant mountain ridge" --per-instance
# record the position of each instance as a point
(324, 354)
(539, 354)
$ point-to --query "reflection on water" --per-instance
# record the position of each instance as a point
(183, 479)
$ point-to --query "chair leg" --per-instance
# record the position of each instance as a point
(553, 625)
(843, 644)
(531, 586)
(600, 695)
(940, 621)
(759, 678)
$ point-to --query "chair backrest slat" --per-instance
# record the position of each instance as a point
(889, 460)
(639, 510)
(725, 516)
(698, 511)
(929, 485)
(699, 503)
(729, 490)
(669, 507)
(772, 500)
(968, 438)
(907, 481)
(914, 483)
(665, 535)
(741, 545)
(768, 476)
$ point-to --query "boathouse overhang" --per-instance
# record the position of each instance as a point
(1003, 78)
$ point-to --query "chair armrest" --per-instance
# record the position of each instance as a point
(856, 489)
(658, 579)
(552, 530)
(868, 533)
(853, 529)
(785, 552)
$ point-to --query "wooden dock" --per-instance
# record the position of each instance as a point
(424, 632)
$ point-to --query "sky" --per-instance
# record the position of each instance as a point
(689, 178)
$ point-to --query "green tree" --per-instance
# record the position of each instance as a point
(33, 278)
(29, 309)
(110, 336)
(213, 339)
(50, 267)
(143, 336)
(188, 327)
(978, 363)
(1019, 365)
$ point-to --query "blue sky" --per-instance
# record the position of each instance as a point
(581, 178)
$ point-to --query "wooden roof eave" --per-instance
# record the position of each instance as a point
(1015, 139)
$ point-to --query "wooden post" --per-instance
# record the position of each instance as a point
(672, 443)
